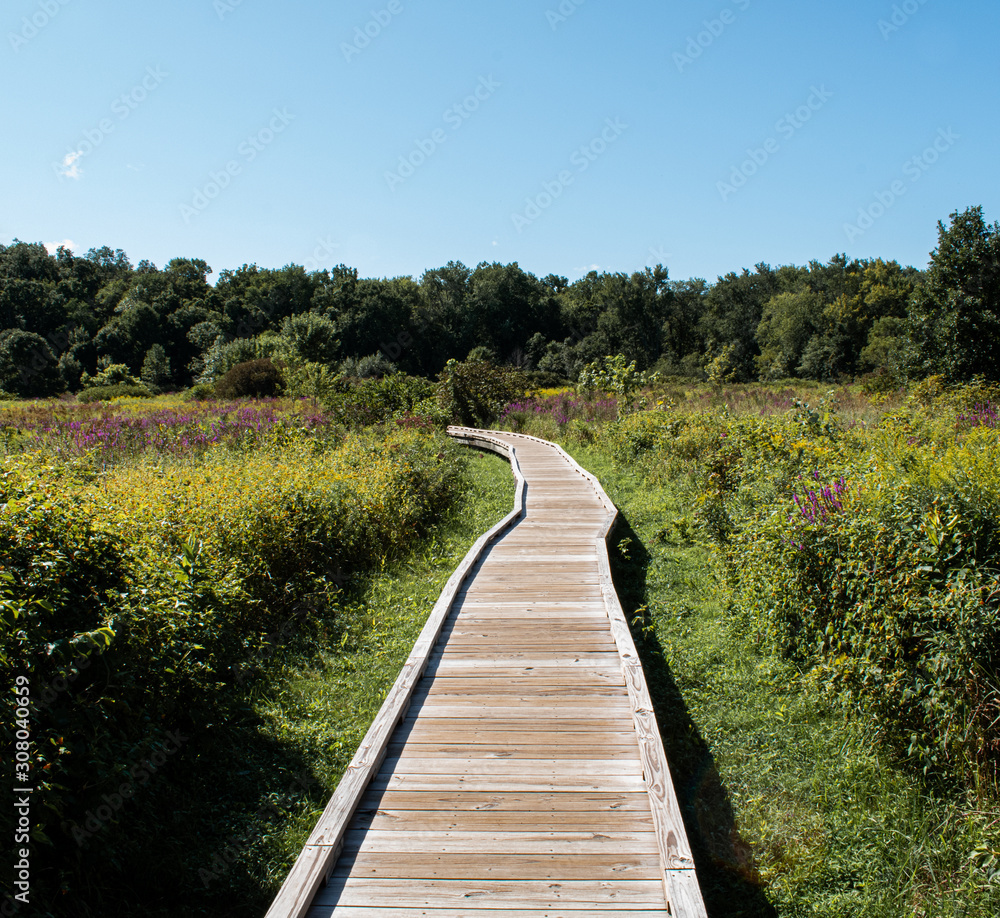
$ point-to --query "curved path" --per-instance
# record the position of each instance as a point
(516, 768)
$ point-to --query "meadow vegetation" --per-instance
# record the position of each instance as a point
(813, 580)
(170, 569)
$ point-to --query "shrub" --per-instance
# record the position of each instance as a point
(543, 379)
(200, 392)
(118, 390)
(114, 374)
(138, 599)
(367, 402)
(868, 555)
(252, 379)
(28, 368)
(475, 393)
(613, 376)
(879, 570)
(374, 365)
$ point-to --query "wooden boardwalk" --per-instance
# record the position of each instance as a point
(516, 768)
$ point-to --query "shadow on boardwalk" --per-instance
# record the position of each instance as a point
(727, 874)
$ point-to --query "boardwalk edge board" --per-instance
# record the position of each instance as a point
(315, 863)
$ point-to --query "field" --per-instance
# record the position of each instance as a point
(212, 598)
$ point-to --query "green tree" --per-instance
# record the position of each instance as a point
(311, 337)
(442, 317)
(789, 322)
(156, 368)
(613, 376)
(28, 367)
(733, 310)
(505, 306)
(954, 318)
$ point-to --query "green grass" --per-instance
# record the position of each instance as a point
(789, 809)
(224, 834)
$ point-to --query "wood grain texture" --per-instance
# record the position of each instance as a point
(516, 767)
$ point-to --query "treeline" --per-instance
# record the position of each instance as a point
(64, 317)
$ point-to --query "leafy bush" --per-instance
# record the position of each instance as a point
(112, 374)
(200, 392)
(368, 367)
(173, 574)
(543, 379)
(868, 555)
(222, 355)
(613, 376)
(107, 393)
(252, 379)
(475, 393)
(367, 402)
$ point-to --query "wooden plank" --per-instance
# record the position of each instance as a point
(491, 894)
(453, 765)
(522, 725)
(502, 867)
(557, 718)
(517, 751)
(450, 684)
(489, 821)
(587, 628)
(608, 705)
(558, 802)
(516, 643)
(509, 784)
(497, 842)
(561, 743)
(353, 911)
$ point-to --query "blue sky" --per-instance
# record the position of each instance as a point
(397, 135)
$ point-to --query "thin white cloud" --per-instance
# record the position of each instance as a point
(53, 247)
(71, 166)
